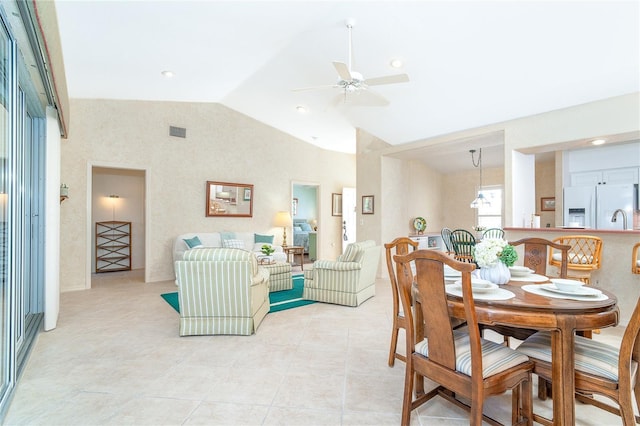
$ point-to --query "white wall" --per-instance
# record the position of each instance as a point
(221, 145)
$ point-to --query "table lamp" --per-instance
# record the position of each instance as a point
(283, 219)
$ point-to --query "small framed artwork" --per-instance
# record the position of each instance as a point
(367, 204)
(294, 206)
(247, 194)
(336, 204)
(548, 204)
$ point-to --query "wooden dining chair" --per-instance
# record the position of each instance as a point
(458, 360)
(401, 246)
(445, 233)
(600, 369)
(493, 233)
(635, 262)
(585, 256)
(463, 242)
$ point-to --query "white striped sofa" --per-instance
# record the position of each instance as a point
(349, 280)
(221, 291)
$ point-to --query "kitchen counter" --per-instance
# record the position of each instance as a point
(615, 273)
(578, 231)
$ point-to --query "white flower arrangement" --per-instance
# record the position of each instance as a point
(490, 251)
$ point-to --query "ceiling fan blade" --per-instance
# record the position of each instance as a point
(388, 79)
(343, 71)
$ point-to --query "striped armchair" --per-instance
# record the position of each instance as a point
(349, 280)
(221, 291)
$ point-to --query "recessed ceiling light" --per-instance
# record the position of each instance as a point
(167, 74)
(396, 63)
(301, 109)
(598, 142)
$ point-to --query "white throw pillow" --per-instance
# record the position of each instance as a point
(232, 243)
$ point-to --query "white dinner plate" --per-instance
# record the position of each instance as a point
(486, 287)
(582, 291)
(520, 271)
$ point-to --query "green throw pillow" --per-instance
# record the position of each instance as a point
(193, 242)
(263, 238)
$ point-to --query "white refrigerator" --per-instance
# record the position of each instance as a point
(609, 198)
(593, 206)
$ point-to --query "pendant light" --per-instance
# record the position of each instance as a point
(480, 200)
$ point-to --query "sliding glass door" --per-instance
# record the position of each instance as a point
(5, 139)
(21, 207)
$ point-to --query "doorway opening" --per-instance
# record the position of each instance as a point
(118, 195)
(305, 211)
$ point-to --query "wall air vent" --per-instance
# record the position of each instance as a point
(179, 132)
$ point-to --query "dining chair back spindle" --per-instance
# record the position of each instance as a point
(401, 246)
(600, 369)
(493, 233)
(445, 233)
(463, 242)
(458, 360)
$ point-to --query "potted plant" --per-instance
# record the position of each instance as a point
(267, 250)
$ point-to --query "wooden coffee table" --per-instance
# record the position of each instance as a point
(295, 251)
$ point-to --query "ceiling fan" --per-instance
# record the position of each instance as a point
(355, 88)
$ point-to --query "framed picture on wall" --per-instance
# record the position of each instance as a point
(294, 206)
(548, 204)
(367, 204)
(336, 204)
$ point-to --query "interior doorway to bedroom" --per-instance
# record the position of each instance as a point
(305, 211)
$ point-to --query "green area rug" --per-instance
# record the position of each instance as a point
(279, 300)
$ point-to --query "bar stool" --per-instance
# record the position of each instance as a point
(635, 262)
(585, 256)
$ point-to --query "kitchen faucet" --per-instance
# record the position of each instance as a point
(624, 217)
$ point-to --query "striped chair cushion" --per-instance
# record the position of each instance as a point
(495, 357)
(591, 357)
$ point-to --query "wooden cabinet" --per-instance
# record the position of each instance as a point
(313, 243)
(113, 246)
(428, 241)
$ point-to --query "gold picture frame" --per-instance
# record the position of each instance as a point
(229, 199)
(548, 204)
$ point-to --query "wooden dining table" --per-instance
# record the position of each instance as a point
(561, 317)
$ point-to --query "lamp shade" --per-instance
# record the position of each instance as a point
(283, 219)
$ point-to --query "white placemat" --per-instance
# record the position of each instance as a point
(497, 294)
(536, 289)
(531, 278)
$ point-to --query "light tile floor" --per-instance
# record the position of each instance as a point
(116, 359)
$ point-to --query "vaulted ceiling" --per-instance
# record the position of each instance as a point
(470, 63)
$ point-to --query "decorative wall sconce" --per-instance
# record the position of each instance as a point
(64, 192)
(113, 205)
